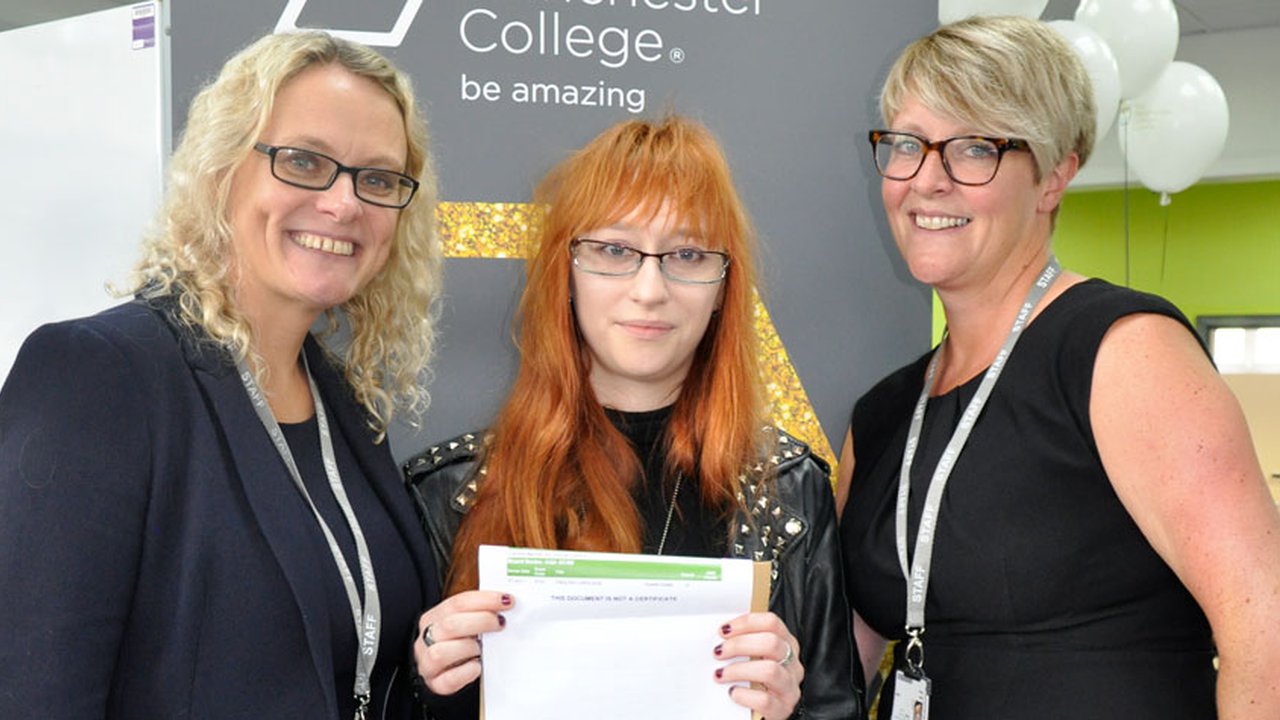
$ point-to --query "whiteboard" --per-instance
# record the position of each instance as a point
(84, 134)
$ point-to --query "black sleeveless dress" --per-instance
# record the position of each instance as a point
(1045, 599)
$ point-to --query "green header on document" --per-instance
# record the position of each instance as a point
(611, 569)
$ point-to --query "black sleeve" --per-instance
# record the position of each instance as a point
(462, 705)
(74, 480)
(833, 686)
(434, 477)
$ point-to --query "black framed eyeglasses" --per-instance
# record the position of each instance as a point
(685, 265)
(967, 159)
(311, 170)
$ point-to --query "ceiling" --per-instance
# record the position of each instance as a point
(19, 13)
(1195, 16)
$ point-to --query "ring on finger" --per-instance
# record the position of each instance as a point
(427, 638)
(785, 661)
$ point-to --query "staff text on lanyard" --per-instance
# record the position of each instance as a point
(366, 615)
(917, 574)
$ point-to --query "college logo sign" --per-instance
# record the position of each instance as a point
(293, 10)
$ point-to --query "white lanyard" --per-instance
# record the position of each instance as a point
(367, 615)
(917, 575)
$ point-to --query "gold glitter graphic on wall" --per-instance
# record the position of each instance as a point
(497, 230)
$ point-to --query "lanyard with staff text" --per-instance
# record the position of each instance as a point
(367, 615)
(917, 575)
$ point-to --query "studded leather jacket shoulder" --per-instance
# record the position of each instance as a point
(791, 522)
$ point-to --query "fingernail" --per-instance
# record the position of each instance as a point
(724, 629)
(718, 650)
(506, 599)
(731, 687)
(502, 621)
(719, 673)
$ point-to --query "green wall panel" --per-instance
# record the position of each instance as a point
(1214, 250)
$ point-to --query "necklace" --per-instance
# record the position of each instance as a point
(671, 509)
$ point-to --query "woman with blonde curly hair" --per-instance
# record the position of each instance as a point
(637, 424)
(199, 512)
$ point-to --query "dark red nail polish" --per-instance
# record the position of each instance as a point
(724, 629)
(719, 673)
(502, 621)
(506, 599)
(731, 687)
(718, 650)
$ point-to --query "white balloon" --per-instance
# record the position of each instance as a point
(952, 10)
(1100, 62)
(1176, 129)
(1143, 35)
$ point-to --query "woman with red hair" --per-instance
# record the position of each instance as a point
(636, 424)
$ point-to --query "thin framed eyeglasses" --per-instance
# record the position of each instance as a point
(967, 159)
(311, 170)
(684, 265)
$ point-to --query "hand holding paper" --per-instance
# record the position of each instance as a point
(774, 668)
(447, 650)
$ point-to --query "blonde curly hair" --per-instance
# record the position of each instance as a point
(391, 320)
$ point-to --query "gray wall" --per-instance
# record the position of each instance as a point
(789, 91)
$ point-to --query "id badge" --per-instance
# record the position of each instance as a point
(910, 697)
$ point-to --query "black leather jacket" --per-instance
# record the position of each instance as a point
(792, 523)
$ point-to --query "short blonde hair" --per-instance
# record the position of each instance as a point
(1006, 75)
(391, 320)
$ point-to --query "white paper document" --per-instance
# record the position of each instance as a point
(604, 635)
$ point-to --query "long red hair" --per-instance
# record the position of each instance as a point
(558, 474)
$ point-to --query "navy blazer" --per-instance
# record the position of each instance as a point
(141, 574)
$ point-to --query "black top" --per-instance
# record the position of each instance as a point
(694, 530)
(1045, 600)
(398, 587)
